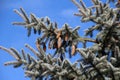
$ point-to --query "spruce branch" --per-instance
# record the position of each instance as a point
(53, 35)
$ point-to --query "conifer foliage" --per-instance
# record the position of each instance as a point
(98, 62)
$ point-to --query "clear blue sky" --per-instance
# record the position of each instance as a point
(60, 11)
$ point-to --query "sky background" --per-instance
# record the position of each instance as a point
(60, 11)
